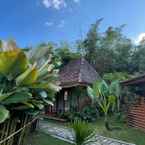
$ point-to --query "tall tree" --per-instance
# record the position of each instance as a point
(91, 42)
(109, 51)
(138, 59)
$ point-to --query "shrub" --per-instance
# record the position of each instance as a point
(89, 113)
(82, 132)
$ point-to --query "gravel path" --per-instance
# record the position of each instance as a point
(66, 134)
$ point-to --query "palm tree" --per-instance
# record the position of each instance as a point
(106, 96)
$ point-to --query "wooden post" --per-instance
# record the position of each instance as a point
(66, 107)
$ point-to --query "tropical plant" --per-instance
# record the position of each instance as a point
(24, 86)
(106, 96)
(83, 132)
(120, 76)
(88, 113)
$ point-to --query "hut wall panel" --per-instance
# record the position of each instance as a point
(136, 115)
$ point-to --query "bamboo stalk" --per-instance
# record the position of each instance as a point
(12, 130)
(7, 130)
(20, 141)
(3, 131)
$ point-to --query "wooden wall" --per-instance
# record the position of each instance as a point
(136, 115)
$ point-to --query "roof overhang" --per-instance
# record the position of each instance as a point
(73, 84)
(135, 81)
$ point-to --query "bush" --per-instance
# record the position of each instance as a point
(120, 117)
(89, 113)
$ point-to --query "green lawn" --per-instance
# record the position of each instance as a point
(126, 133)
(40, 138)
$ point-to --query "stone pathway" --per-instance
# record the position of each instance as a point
(66, 134)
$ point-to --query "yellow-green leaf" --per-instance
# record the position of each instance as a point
(12, 62)
(28, 77)
(4, 114)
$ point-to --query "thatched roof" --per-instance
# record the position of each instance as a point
(77, 73)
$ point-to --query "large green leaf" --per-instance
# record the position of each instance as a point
(45, 85)
(96, 88)
(115, 88)
(4, 114)
(91, 93)
(19, 97)
(48, 102)
(28, 77)
(12, 62)
(104, 88)
(4, 96)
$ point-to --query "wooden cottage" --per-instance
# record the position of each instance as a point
(74, 78)
(136, 111)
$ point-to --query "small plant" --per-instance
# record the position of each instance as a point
(83, 132)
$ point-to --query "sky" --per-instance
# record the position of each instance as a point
(31, 22)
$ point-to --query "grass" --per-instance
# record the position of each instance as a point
(125, 133)
(40, 138)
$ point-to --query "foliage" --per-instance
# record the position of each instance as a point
(22, 83)
(4, 114)
(82, 132)
(88, 113)
(65, 54)
(107, 51)
(138, 59)
(106, 96)
(120, 76)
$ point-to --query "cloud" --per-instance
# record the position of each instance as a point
(57, 4)
(61, 24)
(49, 24)
(140, 37)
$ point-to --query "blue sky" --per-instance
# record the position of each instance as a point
(30, 22)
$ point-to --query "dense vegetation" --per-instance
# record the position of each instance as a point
(108, 52)
(27, 84)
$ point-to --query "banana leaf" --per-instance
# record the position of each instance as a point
(12, 62)
(4, 96)
(4, 114)
(19, 97)
(48, 102)
(28, 77)
(45, 85)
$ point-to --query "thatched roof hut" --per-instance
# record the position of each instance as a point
(75, 76)
(77, 73)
